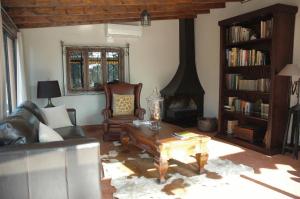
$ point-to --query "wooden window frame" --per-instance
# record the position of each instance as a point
(104, 66)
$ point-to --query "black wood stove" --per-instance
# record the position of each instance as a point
(184, 95)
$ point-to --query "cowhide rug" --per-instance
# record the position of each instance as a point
(221, 174)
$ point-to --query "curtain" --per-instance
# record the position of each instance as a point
(21, 79)
(10, 67)
(2, 74)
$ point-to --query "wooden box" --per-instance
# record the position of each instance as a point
(244, 133)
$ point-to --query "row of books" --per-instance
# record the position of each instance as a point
(247, 107)
(242, 106)
(236, 82)
(236, 34)
(266, 28)
(241, 57)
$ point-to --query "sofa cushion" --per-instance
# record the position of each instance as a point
(47, 134)
(15, 130)
(34, 109)
(70, 132)
(57, 117)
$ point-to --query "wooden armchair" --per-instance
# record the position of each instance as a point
(111, 123)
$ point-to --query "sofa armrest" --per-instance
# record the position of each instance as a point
(140, 112)
(72, 115)
(51, 170)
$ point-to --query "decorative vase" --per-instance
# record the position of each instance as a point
(155, 106)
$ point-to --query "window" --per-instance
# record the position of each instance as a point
(89, 68)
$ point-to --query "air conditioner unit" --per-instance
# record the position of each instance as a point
(123, 30)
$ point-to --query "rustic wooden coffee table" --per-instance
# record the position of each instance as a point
(163, 145)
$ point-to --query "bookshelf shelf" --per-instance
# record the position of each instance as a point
(270, 21)
(255, 95)
(264, 71)
(250, 42)
(240, 115)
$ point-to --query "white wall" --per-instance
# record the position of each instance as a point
(208, 46)
(154, 59)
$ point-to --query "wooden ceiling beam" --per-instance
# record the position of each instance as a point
(114, 20)
(43, 13)
(71, 3)
(104, 17)
(87, 10)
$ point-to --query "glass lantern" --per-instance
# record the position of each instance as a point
(155, 106)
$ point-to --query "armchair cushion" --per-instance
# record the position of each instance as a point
(123, 104)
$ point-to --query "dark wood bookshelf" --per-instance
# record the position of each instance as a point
(279, 48)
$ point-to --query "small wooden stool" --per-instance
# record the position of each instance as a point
(294, 144)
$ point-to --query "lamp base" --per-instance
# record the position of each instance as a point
(49, 105)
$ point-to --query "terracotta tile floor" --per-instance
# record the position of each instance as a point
(274, 175)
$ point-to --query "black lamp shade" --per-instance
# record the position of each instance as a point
(48, 89)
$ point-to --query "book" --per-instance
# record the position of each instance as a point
(184, 135)
(231, 124)
(265, 110)
(266, 28)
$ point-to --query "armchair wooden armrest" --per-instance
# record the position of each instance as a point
(140, 112)
(106, 113)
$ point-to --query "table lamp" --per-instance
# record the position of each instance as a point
(48, 89)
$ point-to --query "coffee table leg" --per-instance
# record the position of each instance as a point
(201, 161)
(162, 167)
(125, 141)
